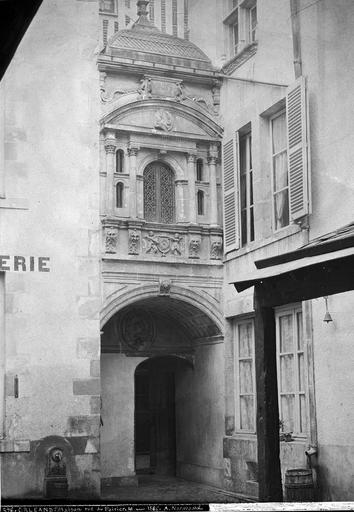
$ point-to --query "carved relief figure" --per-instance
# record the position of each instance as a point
(145, 88)
(134, 242)
(216, 250)
(111, 240)
(137, 329)
(194, 248)
(163, 120)
(179, 94)
(163, 244)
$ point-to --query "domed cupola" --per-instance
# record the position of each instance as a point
(144, 42)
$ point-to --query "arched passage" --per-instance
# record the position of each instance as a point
(162, 391)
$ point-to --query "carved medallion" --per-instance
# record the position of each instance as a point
(163, 120)
(137, 329)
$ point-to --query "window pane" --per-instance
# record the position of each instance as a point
(287, 373)
(301, 372)
(245, 340)
(243, 192)
(286, 333)
(243, 154)
(150, 203)
(303, 414)
(287, 403)
(279, 133)
(280, 171)
(244, 227)
(281, 208)
(246, 377)
(253, 17)
(300, 338)
(252, 225)
(247, 413)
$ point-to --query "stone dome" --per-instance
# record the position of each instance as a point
(146, 43)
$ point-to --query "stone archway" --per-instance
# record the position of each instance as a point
(153, 334)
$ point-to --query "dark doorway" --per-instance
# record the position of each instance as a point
(155, 423)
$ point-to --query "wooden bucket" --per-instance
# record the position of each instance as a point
(299, 485)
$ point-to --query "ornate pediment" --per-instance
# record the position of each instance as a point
(165, 117)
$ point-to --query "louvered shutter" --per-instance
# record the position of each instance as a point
(296, 110)
(230, 186)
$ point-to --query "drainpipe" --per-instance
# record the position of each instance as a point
(295, 29)
(2, 355)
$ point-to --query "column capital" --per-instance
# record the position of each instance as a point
(191, 157)
(133, 151)
(110, 143)
(212, 159)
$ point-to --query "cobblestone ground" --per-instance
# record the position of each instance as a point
(157, 489)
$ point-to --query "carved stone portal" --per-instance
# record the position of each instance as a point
(111, 240)
(163, 244)
(137, 330)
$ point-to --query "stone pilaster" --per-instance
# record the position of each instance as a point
(191, 186)
(132, 152)
(181, 191)
(110, 145)
(212, 159)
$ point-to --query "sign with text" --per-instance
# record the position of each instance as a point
(10, 263)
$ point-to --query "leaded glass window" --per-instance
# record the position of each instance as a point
(159, 193)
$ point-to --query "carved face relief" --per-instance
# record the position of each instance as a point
(163, 120)
(111, 240)
(216, 250)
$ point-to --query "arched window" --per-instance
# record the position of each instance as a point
(119, 194)
(119, 160)
(200, 202)
(159, 193)
(200, 169)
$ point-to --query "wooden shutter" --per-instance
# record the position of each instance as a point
(296, 116)
(230, 186)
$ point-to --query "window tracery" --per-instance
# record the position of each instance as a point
(159, 193)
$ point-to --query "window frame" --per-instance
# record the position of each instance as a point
(199, 169)
(120, 158)
(277, 114)
(105, 11)
(249, 207)
(237, 359)
(200, 203)
(240, 15)
(158, 219)
(120, 195)
(294, 310)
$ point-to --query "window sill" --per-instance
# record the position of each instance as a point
(291, 230)
(240, 58)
